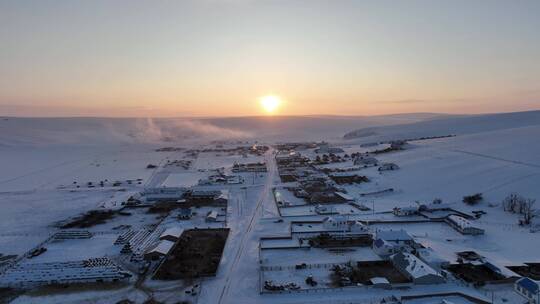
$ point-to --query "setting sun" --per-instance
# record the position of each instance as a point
(270, 103)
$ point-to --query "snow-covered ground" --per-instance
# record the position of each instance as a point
(492, 154)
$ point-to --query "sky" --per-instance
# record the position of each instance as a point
(217, 58)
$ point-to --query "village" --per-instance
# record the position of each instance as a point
(302, 217)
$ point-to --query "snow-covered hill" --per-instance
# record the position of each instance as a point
(99, 131)
(457, 125)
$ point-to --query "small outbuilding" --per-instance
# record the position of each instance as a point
(212, 216)
(162, 249)
(380, 282)
(172, 234)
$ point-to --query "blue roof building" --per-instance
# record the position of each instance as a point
(529, 289)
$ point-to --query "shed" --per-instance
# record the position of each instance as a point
(212, 216)
(172, 234)
(160, 250)
(380, 282)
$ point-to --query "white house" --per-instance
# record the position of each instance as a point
(528, 289)
(391, 242)
(172, 234)
(160, 250)
(405, 211)
(338, 223)
(415, 269)
(462, 225)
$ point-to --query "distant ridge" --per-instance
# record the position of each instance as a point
(469, 124)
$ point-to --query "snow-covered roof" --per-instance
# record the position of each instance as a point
(415, 267)
(74, 271)
(345, 196)
(410, 208)
(223, 195)
(460, 221)
(379, 280)
(528, 284)
(163, 247)
(394, 235)
(172, 231)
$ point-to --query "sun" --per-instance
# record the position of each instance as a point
(270, 103)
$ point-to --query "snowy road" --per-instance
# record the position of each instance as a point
(240, 256)
(247, 233)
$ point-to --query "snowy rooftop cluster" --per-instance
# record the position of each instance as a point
(63, 272)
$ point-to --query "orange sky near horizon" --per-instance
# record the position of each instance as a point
(217, 58)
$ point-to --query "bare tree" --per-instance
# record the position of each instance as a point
(528, 210)
(512, 203)
(516, 203)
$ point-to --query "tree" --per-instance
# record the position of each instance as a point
(516, 203)
(512, 202)
(528, 210)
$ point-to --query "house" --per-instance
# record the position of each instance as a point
(528, 289)
(322, 209)
(388, 167)
(405, 211)
(364, 160)
(358, 227)
(341, 224)
(384, 248)
(162, 249)
(325, 148)
(212, 216)
(164, 193)
(216, 197)
(415, 269)
(392, 241)
(252, 167)
(397, 236)
(172, 234)
(220, 179)
(462, 225)
(335, 223)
